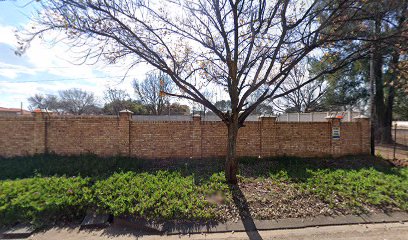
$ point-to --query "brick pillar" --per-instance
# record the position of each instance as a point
(335, 135)
(365, 127)
(39, 141)
(124, 149)
(268, 136)
(196, 137)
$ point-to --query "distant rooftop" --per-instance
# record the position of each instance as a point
(14, 110)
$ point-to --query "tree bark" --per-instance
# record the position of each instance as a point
(231, 163)
(379, 85)
(372, 103)
(387, 135)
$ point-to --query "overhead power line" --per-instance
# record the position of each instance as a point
(63, 79)
(54, 67)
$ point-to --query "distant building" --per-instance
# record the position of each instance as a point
(13, 112)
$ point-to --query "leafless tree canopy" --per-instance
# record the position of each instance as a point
(77, 101)
(241, 46)
(112, 95)
(73, 101)
(117, 99)
(151, 92)
(304, 99)
(49, 102)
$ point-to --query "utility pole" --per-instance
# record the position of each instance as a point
(371, 105)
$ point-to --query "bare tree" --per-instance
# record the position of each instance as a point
(199, 108)
(151, 92)
(223, 105)
(116, 99)
(236, 45)
(77, 101)
(49, 102)
(303, 99)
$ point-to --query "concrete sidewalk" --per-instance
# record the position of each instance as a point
(395, 231)
(249, 224)
(128, 227)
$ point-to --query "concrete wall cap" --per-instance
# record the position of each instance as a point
(125, 111)
(267, 116)
(361, 116)
(38, 110)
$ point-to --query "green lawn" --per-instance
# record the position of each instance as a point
(45, 189)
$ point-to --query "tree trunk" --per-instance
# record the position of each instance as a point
(387, 135)
(372, 103)
(379, 85)
(231, 163)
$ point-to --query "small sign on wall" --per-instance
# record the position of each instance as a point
(336, 132)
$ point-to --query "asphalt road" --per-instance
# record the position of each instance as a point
(387, 231)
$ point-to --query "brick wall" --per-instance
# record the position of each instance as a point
(109, 136)
(18, 136)
(81, 135)
(161, 139)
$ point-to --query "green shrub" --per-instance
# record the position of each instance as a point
(186, 190)
(42, 199)
(353, 188)
(163, 195)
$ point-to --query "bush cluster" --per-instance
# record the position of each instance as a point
(161, 195)
(45, 189)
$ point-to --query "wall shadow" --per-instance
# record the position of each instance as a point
(102, 168)
(298, 168)
(89, 165)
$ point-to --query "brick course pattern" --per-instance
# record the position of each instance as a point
(110, 136)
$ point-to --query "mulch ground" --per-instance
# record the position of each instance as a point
(265, 198)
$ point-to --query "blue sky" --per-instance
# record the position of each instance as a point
(47, 69)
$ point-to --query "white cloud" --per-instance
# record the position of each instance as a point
(7, 35)
(42, 63)
(13, 71)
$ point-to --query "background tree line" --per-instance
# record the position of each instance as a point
(149, 100)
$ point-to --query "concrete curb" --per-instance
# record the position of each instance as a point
(93, 220)
(249, 225)
(171, 228)
(19, 231)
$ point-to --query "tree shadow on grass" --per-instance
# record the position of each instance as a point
(244, 213)
(101, 168)
(297, 169)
